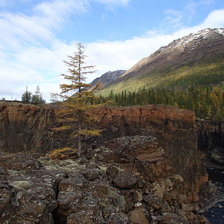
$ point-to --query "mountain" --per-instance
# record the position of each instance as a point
(196, 59)
(108, 77)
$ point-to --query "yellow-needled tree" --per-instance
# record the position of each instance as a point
(77, 96)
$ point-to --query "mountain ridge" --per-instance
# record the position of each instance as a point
(178, 45)
(108, 77)
(193, 52)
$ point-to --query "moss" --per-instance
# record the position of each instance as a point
(64, 165)
(22, 184)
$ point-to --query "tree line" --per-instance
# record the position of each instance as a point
(206, 102)
(35, 98)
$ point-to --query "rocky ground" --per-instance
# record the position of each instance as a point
(145, 168)
(106, 185)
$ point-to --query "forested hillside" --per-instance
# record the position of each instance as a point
(206, 102)
(188, 73)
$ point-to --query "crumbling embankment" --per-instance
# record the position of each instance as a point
(25, 127)
(174, 129)
(28, 127)
(211, 141)
(145, 155)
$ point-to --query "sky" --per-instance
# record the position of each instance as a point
(37, 35)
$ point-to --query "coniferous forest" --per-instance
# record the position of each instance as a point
(207, 102)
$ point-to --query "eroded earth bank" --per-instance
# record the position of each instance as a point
(145, 168)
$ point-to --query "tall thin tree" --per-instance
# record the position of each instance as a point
(77, 95)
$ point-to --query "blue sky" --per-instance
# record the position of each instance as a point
(37, 35)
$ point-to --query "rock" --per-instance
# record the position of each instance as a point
(112, 171)
(154, 133)
(90, 174)
(147, 167)
(154, 201)
(19, 161)
(175, 144)
(119, 218)
(125, 180)
(217, 156)
(83, 218)
(186, 207)
(74, 182)
(142, 148)
(152, 157)
(76, 192)
(139, 196)
(22, 184)
(170, 218)
(88, 198)
(26, 195)
(6, 197)
(138, 217)
(210, 141)
(32, 198)
(66, 204)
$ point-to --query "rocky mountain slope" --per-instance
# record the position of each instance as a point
(195, 59)
(108, 77)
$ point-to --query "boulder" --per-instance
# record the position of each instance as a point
(125, 180)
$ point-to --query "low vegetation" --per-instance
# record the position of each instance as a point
(201, 74)
(63, 153)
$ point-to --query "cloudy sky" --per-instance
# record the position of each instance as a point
(37, 35)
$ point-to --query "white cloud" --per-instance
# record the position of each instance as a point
(53, 13)
(23, 30)
(124, 54)
(214, 19)
(114, 2)
(173, 18)
(7, 3)
(24, 58)
(19, 29)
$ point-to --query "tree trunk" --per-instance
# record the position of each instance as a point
(79, 139)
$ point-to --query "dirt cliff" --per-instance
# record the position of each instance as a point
(211, 141)
(25, 127)
(174, 129)
(28, 127)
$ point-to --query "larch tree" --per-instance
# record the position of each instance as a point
(77, 96)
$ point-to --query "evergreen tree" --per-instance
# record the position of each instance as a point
(37, 97)
(77, 95)
(26, 97)
(206, 102)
